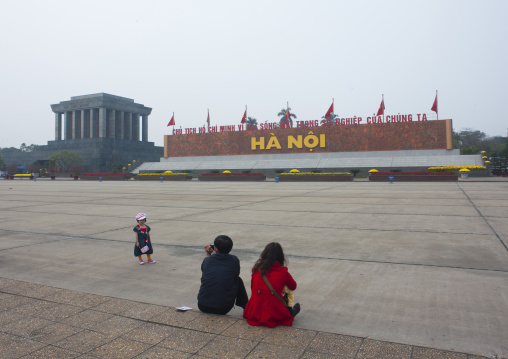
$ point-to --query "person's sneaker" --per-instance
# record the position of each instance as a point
(295, 310)
(152, 261)
(141, 262)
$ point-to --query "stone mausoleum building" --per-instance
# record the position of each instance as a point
(105, 130)
(100, 116)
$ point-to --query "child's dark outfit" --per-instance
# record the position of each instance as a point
(143, 240)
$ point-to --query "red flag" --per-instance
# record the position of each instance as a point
(381, 110)
(288, 115)
(172, 121)
(329, 112)
(434, 106)
(244, 117)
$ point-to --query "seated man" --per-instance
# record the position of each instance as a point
(221, 285)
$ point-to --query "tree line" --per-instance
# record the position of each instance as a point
(62, 161)
(472, 142)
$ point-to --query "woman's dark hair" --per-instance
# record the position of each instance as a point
(272, 253)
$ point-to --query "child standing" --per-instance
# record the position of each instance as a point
(143, 242)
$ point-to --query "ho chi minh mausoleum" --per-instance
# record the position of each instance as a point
(100, 116)
(105, 130)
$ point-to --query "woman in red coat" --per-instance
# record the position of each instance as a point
(263, 307)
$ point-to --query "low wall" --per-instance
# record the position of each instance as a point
(165, 178)
(410, 178)
(315, 178)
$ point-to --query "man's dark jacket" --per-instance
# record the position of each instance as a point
(219, 280)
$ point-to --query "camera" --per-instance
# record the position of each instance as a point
(212, 246)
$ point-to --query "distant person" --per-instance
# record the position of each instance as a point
(143, 243)
(267, 307)
(221, 285)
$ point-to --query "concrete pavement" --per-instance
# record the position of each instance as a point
(421, 265)
(40, 321)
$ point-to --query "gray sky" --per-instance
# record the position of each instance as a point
(188, 56)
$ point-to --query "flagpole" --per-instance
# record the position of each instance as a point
(383, 102)
(437, 107)
(333, 112)
(287, 119)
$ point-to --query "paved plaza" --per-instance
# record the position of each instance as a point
(403, 270)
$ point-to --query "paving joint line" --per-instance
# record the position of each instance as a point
(310, 341)
(399, 263)
(199, 249)
(238, 208)
(182, 219)
(481, 215)
(359, 347)
(341, 228)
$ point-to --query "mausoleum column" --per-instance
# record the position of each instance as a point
(102, 122)
(92, 123)
(128, 125)
(74, 125)
(120, 119)
(135, 126)
(83, 120)
(67, 125)
(58, 126)
(144, 124)
(112, 124)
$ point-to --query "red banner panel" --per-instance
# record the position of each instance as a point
(417, 135)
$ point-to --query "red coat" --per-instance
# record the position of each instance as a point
(264, 308)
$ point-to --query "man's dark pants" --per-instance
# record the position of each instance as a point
(241, 301)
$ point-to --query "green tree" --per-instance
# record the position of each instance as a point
(284, 118)
(493, 145)
(76, 169)
(2, 162)
(34, 167)
(32, 147)
(116, 168)
(354, 171)
(504, 151)
(251, 121)
(25, 148)
(64, 159)
(10, 150)
(12, 168)
(473, 141)
(469, 137)
(331, 117)
(471, 150)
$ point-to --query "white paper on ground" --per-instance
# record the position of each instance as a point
(183, 308)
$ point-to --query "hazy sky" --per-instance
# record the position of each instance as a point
(188, 56)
